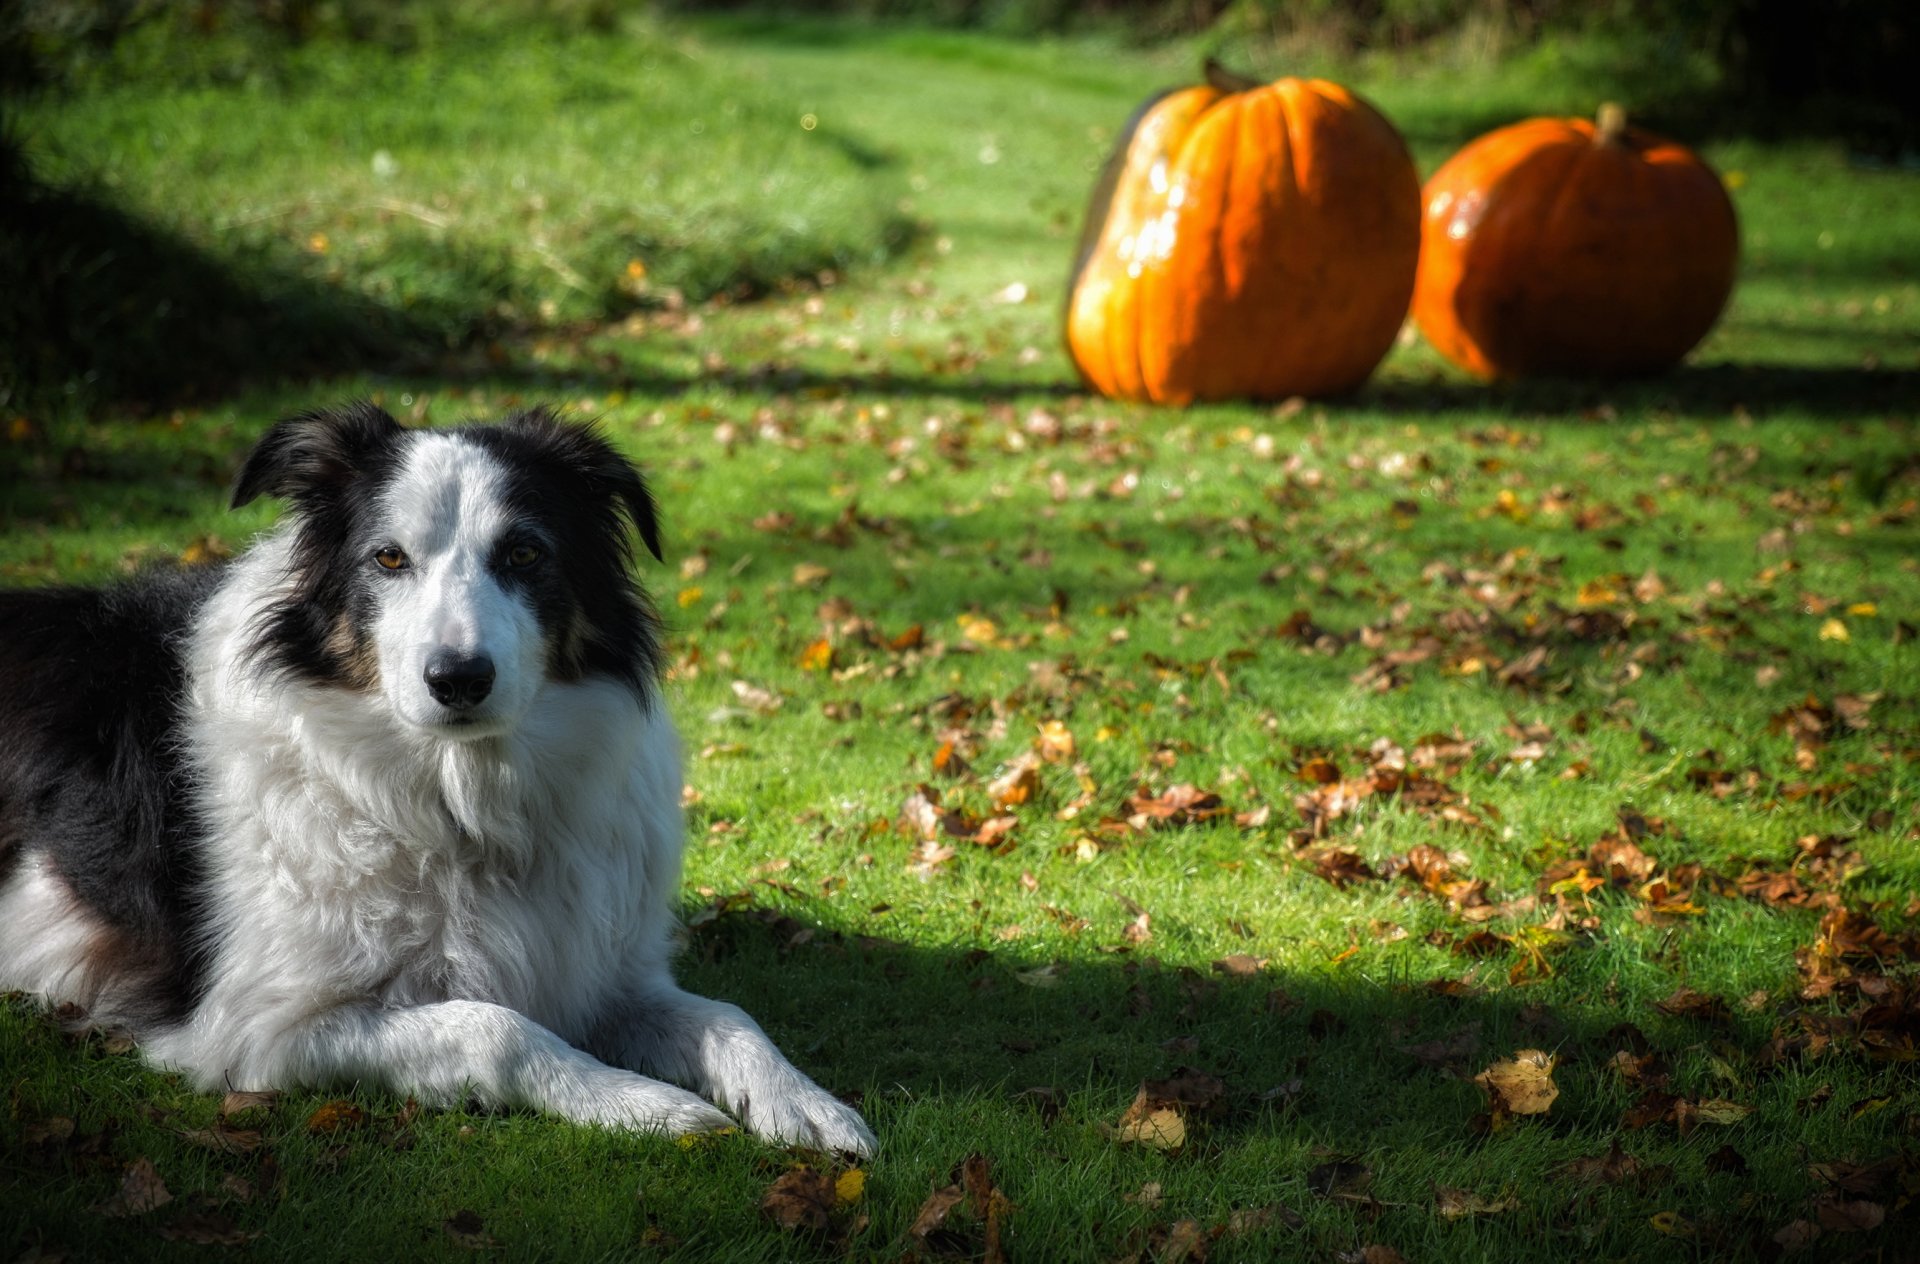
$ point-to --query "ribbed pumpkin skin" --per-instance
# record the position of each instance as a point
(1549, 249)
(1256, 244)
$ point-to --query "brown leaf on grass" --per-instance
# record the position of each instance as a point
(1243, 1220)
(1161, 1110)
(1611, 1168)
(1522, 1085)
(1685, 1002)
(1688, 1115)
(1054, 744)
(224, 1139)
(1017, 783)
(1046, 1101)
(49, 1133)
(933, 1212)
(1343, 1180)
(1842, 1215)
(239, 1103)
(205, 1228)
(468, 1231)
(972, 1182)
(1372, 1253)
(1182, 1241)
(1796, 1236)
(1319, 771)
(1182, 804)
(1340, 867)
(336, 1116)
(1455, 1048)
(1638, 1068)
(801, 1201)
(1651, 1107)
(1456, 1204)
(1620, 861)
(1240, 965)
(141, 1191)
(1448, 753)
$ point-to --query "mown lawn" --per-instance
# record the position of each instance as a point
(1407, 732)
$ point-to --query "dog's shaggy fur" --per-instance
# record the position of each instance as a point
(390, 798)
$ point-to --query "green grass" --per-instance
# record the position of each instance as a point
(927, 441)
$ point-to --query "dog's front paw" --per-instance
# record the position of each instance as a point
(811, 1117)
(643, 1105)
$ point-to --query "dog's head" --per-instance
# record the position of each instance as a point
(454, 572)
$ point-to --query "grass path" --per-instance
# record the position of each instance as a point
(1554, 718)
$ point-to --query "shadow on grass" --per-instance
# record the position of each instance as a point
(99, 304)
(1704, 391)
(933, 1020)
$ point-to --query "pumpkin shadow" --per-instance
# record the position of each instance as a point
(1707, 392)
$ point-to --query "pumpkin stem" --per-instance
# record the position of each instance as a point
(1218, 76)
(1610, 126)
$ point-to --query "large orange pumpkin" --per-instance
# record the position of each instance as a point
(1245, 241)
(1559, 246)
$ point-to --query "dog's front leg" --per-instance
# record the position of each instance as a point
(718, 1049)
(452, 1051)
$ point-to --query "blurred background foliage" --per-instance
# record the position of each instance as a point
(1756, 67)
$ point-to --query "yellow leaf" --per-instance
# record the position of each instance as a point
(1671, 1223)
(978, 630)
(850, 1185)
(1161, 1128)
(1718, 1110)
(317, 244)
(1863, 610)
(817, 656)
(1834, 630)
(636, 270)
(1055, 742)
(1597, 592)
(690, 595)
(1524, 1085)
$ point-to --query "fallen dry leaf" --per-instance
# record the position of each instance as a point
(336, 1116)
(205, 1228)
(801, 1201)
(141, 1191)
(468, 1230)
(1610, 1168)
(1523, 1085)
(238, 1103)
(1455, 1204)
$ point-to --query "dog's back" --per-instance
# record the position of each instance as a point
(99, 865)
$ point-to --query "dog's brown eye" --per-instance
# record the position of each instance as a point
(522, 555)
(391, 558)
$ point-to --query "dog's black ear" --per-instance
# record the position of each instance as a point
(634, 493)
(319, 448)
(599, 465)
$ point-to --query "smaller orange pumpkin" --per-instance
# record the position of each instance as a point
(1559, 246)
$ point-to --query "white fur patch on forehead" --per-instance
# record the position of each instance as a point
(448, 493)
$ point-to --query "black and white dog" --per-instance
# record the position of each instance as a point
(390, 798)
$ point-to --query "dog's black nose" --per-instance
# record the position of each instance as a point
(459, 680)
